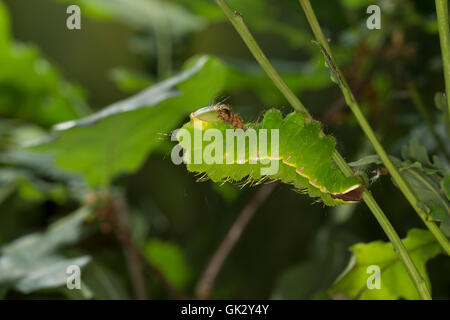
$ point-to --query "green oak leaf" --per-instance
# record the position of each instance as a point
(395, 281)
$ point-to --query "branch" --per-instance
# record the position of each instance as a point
(206, 284)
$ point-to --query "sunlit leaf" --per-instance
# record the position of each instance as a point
(395, 281)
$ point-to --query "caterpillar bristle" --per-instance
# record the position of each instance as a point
(262, 180)
(300, 191)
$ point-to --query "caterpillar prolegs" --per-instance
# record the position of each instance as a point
(217, 143)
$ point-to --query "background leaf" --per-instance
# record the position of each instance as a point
(446, 186)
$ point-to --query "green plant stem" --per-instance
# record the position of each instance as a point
(240, 26)
(444, 36)
(420, 106)
(365, 126)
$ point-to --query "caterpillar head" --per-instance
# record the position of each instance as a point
(218, 112)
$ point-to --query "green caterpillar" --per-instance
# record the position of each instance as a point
(294, 145)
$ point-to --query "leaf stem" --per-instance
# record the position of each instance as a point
(444, 36)
(365, 126)
(240, 26)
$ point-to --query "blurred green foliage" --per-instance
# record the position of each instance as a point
(170, 259)
(28, 80)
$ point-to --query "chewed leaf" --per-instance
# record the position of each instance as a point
(291, 149)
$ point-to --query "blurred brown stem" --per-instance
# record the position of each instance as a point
(116, 215)
(206, 283)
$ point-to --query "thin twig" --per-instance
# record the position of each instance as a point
(123, 234)
(206, 284)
